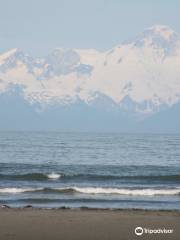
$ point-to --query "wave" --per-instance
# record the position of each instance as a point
(91, 177)
(124, 191)
(30, 176)
(96, 177)
(19, 190)
(97, 190)
(75, 200)
(54, 176)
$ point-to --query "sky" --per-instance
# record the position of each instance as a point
(39, 26)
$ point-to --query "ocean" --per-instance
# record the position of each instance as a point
(93, 170)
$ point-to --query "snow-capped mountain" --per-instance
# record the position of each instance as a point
(140, 77)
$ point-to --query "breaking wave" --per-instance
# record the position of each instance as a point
(95, 177)
(96, 190)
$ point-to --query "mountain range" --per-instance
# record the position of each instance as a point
(133, 87)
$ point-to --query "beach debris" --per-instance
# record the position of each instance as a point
(5, 206)
(28, 206)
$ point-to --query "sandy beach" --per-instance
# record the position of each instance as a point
(28, 224)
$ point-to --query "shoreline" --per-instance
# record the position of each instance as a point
(86, 224)
(85, 208)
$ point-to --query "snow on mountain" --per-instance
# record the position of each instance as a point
(141, 76)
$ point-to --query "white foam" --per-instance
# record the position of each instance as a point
(97, 190)
(17, 190)
(54, 176)
(122, 191)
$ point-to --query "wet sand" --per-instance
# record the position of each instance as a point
(32, 224)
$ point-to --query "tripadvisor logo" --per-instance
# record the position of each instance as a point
(140, 231)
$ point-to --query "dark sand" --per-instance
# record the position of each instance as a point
(26, 224)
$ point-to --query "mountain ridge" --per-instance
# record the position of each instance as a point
(139, 78)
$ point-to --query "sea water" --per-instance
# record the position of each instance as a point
(93, 170)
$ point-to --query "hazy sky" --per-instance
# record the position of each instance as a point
(38, 26)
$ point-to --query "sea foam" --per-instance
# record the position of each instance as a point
(124, 191)
(53, 176)
(18, 190)
(96, 190)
